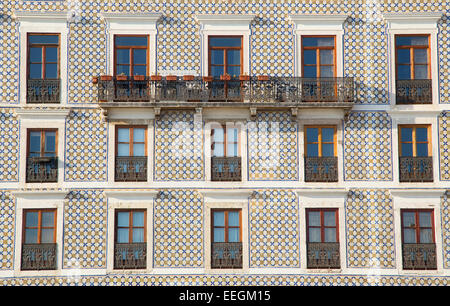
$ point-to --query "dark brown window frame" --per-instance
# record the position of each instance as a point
(130, 144)
(131, 48)
(43, 46)
(417, 226)
(39, 227)
(322, 226)
(42, 153)
(412, 47)
(225, 142)
(225, 62)
(130, 223)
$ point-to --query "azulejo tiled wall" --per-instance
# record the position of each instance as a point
(370, 229)
(367, 147)
(274, 229)
(9, 145)
(445, 211)
(86, 146)
(178, 153)
(178, 229)
(444, 145)
(272, 147)
(7, 219)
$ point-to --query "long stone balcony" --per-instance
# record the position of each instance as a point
(194, 91)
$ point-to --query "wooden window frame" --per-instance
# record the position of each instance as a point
(318, 48)
(43, 46)
(413, 138)
(417, 227)
(319, 139)
(411, 47)
(39, 226)
(130, 147)
(130, 223)
(131, 48)
(225, 49)
(225, 139)
(226, 226)
(42, 153)
(322, 226)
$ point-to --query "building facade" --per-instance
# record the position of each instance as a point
(215, 142)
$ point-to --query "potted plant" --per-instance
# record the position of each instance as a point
(263, 77)
(225, 77)
(244, 77)
(139, 77)
(121, 77)
(207, 79)
(94, 80)
(171, 78)
(188, 77)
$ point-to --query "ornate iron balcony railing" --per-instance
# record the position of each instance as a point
(226, 168)
(416, 169)
(419, 256)
(321, 169)
(131, 168)
(130, 255)
(226, 255)
(38, 256)
(43, 91)
(413, 92)
(323, 255)
(42, 169)
(250, 89)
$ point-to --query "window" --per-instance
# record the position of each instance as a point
(39, 239)
(320, 154)
(43, 85)
(131, 55)
(225, 55)
(322, 238)
(42, 161)
(225, 160)
(416, 163)
(319, 57)
(413, 69)
(131, 153)
(226, 238)
(130, 242)
(419, 249)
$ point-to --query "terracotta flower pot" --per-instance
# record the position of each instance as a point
(139, 77)
(156, 78)
(225, 77)
(207, 78)
(94, 80)
(171, 78)
(263, 77)
(188, 77)
(106, 78)
(121, 77)
(244, 77)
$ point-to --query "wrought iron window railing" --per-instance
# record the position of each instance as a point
(321, 169)
(421, 256)
(416, 169)
(131, 168)
(226, 255)
(43, 91)
(39, 256)
(130, 255)
(251, 89)
(42, 169)
(413, 92)
(323, 255)
(226, 168)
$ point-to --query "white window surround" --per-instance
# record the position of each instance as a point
(318, 24)
(322, 198)
(132, 23)
(225, 24)
(413, 23)
(31, 118)
(43, 22)
(226, 199)
(129, 199)
(418, 199)
(39, 199)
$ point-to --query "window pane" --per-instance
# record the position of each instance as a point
(138, 235)
(422, 149)
(420, 72)
(48, 219)
(217, 70)
(232, 149)
(233, 235)
(218, 135)
(131, 41)
(51, 54)
(123, 135)
(314, 218)
(138, 149)
(123, 69)
(217, 57)
(327, 134)
(314, 235)
(140, 70)
(312, 149)
(122, 56)
(312, 134)
(35, 141)
(35, 55)
(232, 134)
(43, 39)
(409, 236)
(31, 219)
(327, 149)
(234, 70)
(420, 56)
(309, 57)
(425, 219)
(403, 56)
(233, 218)
(219, 218)
(123, 219)
(31, 235)
(329, 218)
(409, 219)
(47, 235)
(218, 149)
(411, 40)
(123, 149)
(50, 141)
(403, 72)
(225, 41)
(421, 134)
(138, 218)
(51, 71)
(310, 71)
(326, 71)
(138, 135)
(35, 71)
(318, 41)
(407, 149)
(330, 235)
(234, 57)
(326, 57)
(406, 134)
(426, 235)
(122, 235)
(219, 235)
(140, 56)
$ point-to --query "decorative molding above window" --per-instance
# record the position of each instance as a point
(318, 22)
(225, 195)
(43, 114)
(225, 21)
(416, 20)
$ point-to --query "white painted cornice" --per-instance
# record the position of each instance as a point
(225, 195)
(130, 21)
(42, 114)
(127, 195)
(418, 193)
(318, 21)
(39, 194)
(416, 20)
(323, 193)
(225, 21)
(38, 16)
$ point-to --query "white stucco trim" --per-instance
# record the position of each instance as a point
(225, 24)
(43, 22)
(413, 23)
(132, 23)
(129, 199)
(318, 24)
(39, 199)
